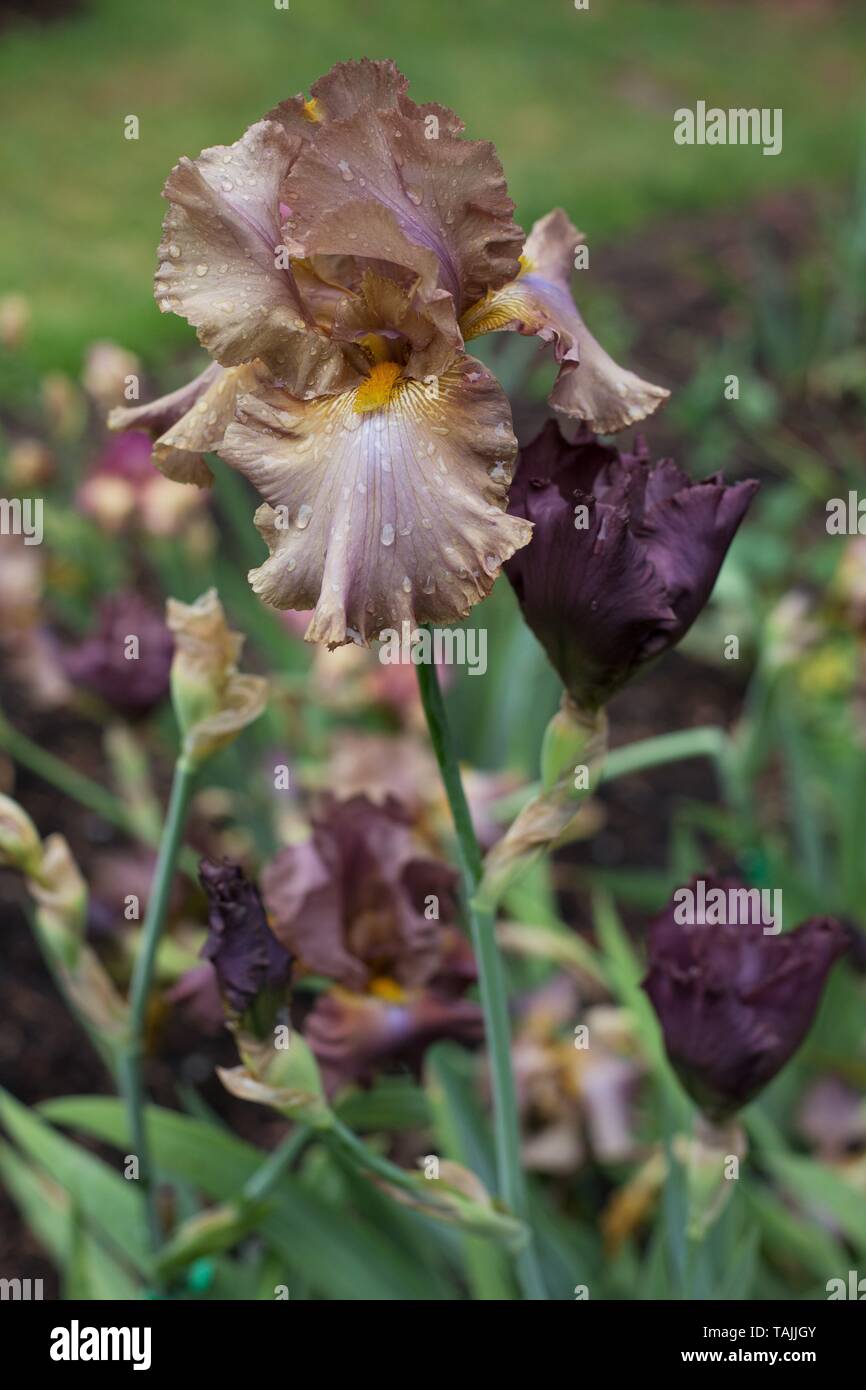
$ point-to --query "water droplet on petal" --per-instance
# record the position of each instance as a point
(407, 584)
(202, 269)
(345, 171)
(305, 511)
(387, 534)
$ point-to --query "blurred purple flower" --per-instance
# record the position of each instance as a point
(132, 685)
(354, 1035)
(246, 955)
(356, 900)
(358, 904)
(624, 555)
(735, 1003)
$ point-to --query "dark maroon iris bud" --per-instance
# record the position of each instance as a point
(127, 661)
(735, 1001)
(623, 558)
(248, 958)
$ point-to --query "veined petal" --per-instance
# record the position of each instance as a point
(191, 421)
(361, 85)
(590, 385)
(383, 515)
(219, 262)
(447, 194)
(366, 235)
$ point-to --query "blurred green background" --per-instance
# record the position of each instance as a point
(578, 103)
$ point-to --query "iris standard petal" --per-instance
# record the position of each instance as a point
(222, 268)
(447, 194)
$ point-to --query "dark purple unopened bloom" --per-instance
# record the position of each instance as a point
(127, 660)
(735, 1002)
(624, 555)
(246, 955)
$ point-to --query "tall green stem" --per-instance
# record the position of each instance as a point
(491, 976)
(81, 788)
(73, 783)
(142, 978)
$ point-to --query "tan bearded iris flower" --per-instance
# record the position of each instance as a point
(333, 261)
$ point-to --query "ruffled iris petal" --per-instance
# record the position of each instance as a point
(391, 515)
(447, 194)
(190, 421)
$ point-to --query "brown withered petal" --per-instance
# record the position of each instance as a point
(382, 516)
(190, 421)
(207, 648)
(244, 700)
(354, 1035)
(448, 194)
(246, 955)
(590, 385)
(735, 1002)
(350, 902)
(213, 701)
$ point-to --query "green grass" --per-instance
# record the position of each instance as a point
(579, 105)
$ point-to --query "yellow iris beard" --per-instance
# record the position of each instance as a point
(375, 391)
(497, 309)
(383, 987)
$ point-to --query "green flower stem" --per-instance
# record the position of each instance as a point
(75, 784)
(142, 977)
(82, 789)
(706, 741)
(343, 1139)
(261, 1182)
(511, 1178)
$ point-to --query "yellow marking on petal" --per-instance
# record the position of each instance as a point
(497, 309)
(378, 347)
(383, 987)
(375, 391)
(311, 110)
(526, 264)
